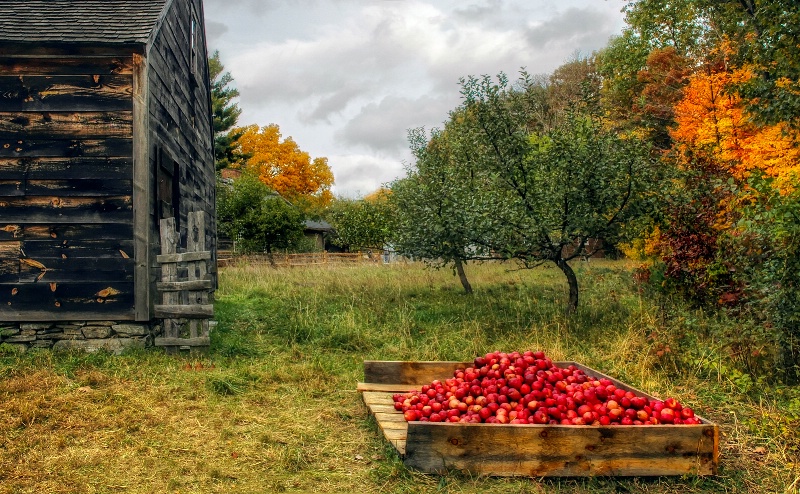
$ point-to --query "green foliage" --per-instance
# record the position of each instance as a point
(771, 224)
(765, 32)
(259, 219)
(619, 64)
(682, 24)
(440, 218)
(361, 224)
(225, 114)
(548, 194)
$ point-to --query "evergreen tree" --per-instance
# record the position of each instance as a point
(225, 115)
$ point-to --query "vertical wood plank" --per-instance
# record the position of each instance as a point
(196, 242)
(169, 271)
(144, 294)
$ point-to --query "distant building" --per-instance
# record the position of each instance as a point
(319, 232)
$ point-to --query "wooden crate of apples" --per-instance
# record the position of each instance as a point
(521, 414)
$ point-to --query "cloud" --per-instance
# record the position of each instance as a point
(569, 30)
(214, 31)
(358, 175)
(383, 126)
(347, 79)
(331, 104)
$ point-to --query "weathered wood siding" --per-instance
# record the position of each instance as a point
(181, 136)
(66, 169)
(98, 142)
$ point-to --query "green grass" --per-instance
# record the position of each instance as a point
(273, 407)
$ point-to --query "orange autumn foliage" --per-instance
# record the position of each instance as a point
(284, 167)
(380, 195)
(711, 121)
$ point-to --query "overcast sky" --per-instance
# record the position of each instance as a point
(346, 79)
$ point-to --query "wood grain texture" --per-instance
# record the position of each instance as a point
(64, 65)
(9, 261)
(144, 235)
(66, 124)
(399, 372)
(387, 388)
(66, 93)
(200, 341)
(122, 231)
(24, 147)
(184, 311)
(197, 271)
(85, 187)
(63, 168)
(53, 301)
(183, 257)
(48, 270)
(49, 210)
(546, 450)
(169, 274)
(178, 286)
(96, 248)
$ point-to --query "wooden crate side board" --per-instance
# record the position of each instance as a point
(407, 372)
(545, 450)
(185, 301)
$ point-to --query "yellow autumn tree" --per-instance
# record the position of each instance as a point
(711, 120)
(284, 167)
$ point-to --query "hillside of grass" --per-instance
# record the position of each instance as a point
(272, 407)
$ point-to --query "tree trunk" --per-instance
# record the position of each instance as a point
(271, 258)
(572, 281)
(463, 277)
(789, 361)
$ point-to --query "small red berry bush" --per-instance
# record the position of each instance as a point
(527, 388)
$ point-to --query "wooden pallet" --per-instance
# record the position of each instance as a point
(531, 450)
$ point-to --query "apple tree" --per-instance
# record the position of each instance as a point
(549, 193)
(438, 214)
(260, 219)
(364, 223)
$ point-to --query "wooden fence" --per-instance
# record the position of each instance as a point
(292, 260)
(185, 286)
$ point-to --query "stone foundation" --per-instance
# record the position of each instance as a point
(90, 336)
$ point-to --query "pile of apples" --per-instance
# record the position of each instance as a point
(527, 388)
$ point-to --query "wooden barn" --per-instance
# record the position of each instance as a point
(105, 129)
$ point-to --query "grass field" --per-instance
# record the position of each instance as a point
(273, 407)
